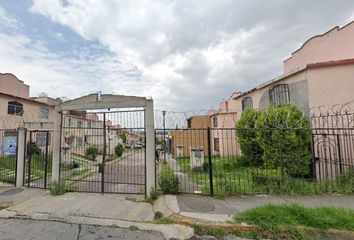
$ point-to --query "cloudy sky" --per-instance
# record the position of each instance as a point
(186, 54)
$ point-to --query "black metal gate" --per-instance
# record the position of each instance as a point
(103, 151)
(38, 161)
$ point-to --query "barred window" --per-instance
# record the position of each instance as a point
(41, 138)
(247, 103)
(79, 141)
(79, 123)
(44, 113)
(279, 95)
(215, 122)
(14, 108)
(216, 145)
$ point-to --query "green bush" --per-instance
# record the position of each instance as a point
(58, 188)
(283, 134)
(91, 152)
(118, 150)
(154, 194)
(123, 136)
(247, 137)
(169, 184)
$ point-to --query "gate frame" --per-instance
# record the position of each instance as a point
(106, 101)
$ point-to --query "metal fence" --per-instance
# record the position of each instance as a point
(104, 151)
(38, 159)
(8, 151)
(209, 160)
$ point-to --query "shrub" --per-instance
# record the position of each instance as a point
(283, 134)
(32, 148)
(58, 188)
(123, 136)
(158, 215)
(154, 194)
(169, 184)
(246, 133)
(118, 150)
(91, 152)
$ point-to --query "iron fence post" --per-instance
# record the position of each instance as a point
(339, 155)
(104, 152)
(210, 166)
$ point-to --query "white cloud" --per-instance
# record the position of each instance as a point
(187, 54)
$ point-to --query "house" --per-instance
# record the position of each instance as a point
(17, 109)
(319, 73)
(182, 141)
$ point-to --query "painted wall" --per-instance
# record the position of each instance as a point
(31, 117)
(10, 84)
(331, 85)
(336, 44)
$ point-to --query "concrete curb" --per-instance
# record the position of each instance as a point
(174, 231)
(171, 203)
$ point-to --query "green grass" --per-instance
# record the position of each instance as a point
(231, 178)
(222, 232)
(1, 208)
(271, 217)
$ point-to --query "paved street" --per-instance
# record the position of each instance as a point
(121, 176)
(46, 230)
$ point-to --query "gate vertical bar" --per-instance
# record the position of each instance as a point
(46, 160)
(29, 160)
(210, 163)
(339, 155)
(104, 152)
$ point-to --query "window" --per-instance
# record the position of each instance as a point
(43, 113)
(279, 95)
(41, 138)
(89, 125)
(14, 108)
(79, 123)
(216, 145)
(215, 122)
(69, 122)
(247, 103)
(78, 141)
(189, 123)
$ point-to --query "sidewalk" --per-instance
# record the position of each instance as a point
(217, 210)
(107, 210)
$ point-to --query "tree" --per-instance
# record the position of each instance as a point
(285, 138)
(246, 133)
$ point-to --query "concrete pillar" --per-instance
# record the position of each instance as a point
(150, 146)
(56, 145)
(21, 148)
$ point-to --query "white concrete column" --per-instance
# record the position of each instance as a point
(150, 146)
(21, 148)
(56, 145)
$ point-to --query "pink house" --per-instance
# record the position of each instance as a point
(319, 73)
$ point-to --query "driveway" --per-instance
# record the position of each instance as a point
(120, 176)
(47, 230)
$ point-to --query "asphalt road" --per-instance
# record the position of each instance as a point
(14, 229)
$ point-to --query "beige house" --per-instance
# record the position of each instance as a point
(17, 109)
(193, 137)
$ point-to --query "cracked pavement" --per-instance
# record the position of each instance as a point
(25, 229)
